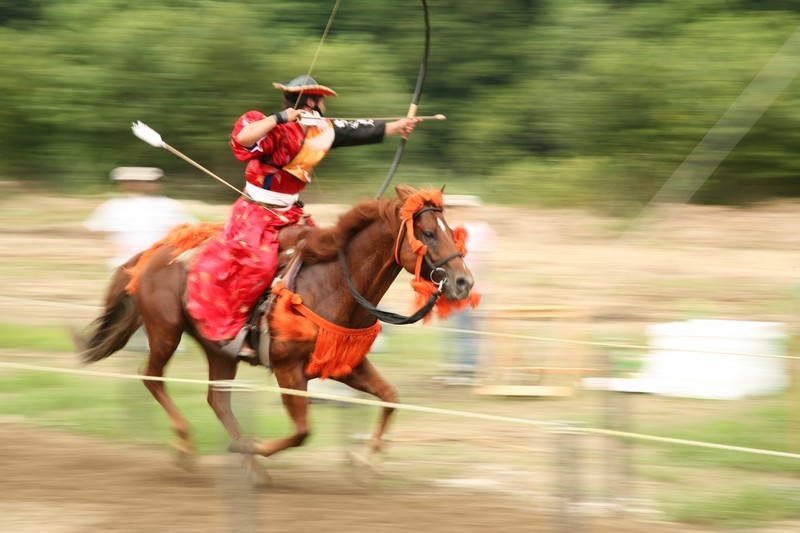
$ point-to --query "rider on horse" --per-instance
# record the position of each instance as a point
(281, 151)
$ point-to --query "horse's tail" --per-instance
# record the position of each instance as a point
(111, 331)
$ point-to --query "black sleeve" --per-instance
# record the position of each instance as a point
(356, 132)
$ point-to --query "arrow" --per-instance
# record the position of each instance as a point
(153, 138)
(307, 116)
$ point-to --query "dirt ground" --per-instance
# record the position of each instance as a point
(713, 262)
(60, 483)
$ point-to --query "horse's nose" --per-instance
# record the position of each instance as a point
(463, 285)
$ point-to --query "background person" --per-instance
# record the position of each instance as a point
(135, 220)
(139, 216)
(464, 349)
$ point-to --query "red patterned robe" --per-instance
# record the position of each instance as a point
(239, 264)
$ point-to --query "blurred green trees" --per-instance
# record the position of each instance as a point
(550, 102)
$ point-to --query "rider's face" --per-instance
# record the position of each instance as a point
(320, 104)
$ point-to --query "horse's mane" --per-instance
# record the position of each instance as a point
(323, 244)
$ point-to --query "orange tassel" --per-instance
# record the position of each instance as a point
(338, 350)
(182, 238)
(417, 201)
(425, 289)
(460, 239)
(444, 308)
(284, 322)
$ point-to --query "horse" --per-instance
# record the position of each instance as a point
(374, 240)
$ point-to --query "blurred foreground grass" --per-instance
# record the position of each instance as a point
(728, 489)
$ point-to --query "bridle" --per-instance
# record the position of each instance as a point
(406, 232)
(419, 248)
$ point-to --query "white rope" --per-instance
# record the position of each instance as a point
(244, 386)
(481, 334)
(292, 392)
(605, 344)
(48, 303)
(93, 373)
(685, 442)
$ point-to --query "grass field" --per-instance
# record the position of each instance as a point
(719, 489)
(729, 489)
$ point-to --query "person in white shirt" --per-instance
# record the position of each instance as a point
(139, 217)
(135, 220)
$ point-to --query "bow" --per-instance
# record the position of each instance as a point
(412, 108)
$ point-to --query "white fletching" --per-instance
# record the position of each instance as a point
(147, 134)
(310, 119)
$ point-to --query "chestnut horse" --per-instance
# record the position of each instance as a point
(378, 238)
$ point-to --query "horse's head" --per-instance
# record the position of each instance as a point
(426, 245)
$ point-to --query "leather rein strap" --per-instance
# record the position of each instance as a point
(406, 231)
(386, 316)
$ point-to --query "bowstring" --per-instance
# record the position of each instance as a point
(319, 46)
(308, 74)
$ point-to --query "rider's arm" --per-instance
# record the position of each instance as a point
(254, 131)
(356, 132)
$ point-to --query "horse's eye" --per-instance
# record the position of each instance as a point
(428, 234)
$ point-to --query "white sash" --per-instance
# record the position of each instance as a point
(271, 197)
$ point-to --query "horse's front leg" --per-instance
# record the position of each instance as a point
(296, 406)
(367, 379)
(222, 368)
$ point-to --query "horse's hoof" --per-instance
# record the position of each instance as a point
(185, 460)
(257, 476)
(364, 466)
(244, 445)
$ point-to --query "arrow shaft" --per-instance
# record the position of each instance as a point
(204, 169)
(201, 167)
(439, 117)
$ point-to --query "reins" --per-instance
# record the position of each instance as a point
(421, 250)
(387, 316)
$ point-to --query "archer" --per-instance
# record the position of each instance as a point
(280, 150)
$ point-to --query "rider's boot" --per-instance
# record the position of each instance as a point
(239, 347)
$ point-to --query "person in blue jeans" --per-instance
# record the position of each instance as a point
(465, 348)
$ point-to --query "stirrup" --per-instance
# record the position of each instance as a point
(248, 355)
(232, 347)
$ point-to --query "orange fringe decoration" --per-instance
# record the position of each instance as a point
(284, 323)
(424, 288)
(182, 238)
(338, 350)
(417, 201)
(444, 308)
(460, 239)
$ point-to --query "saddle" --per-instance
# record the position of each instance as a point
(256, 329)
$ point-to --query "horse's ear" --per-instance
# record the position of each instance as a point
(404, 191)
(443, 186)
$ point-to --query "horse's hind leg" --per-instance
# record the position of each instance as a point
(163, 343)
(159, 302)
(367, 379)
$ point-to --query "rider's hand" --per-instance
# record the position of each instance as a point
(404, 126)
(293, 114)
